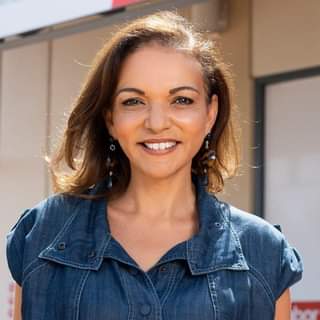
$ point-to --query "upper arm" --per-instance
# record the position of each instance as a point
(283, 306)
(17, 303)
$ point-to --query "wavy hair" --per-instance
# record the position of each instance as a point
(83, 148)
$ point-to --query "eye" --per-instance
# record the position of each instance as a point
(184, 100)
(130, 102)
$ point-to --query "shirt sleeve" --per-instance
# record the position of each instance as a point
(15, 243)
(291, 267)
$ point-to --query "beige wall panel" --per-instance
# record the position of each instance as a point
(285, 35)
(235, 41)
(22, 142)
(23, 125)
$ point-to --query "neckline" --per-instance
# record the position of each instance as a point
(177, 251)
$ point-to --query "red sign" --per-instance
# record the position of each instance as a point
(305, 310)
(123, 3)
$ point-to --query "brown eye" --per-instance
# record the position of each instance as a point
(131, 102)
(184, 100)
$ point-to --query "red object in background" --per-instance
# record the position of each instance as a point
(305, 310)
(123, 3)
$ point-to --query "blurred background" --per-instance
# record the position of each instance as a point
(46, 48)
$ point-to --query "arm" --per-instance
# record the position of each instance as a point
(17, 303)
(283, 307)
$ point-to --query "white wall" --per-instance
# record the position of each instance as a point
(291, 172)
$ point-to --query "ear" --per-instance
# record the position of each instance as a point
(212, 112)
(109, 122)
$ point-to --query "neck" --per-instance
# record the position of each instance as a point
(170, 198)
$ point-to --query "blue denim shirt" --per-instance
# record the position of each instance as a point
(70, 267)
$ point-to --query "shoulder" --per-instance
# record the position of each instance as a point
(56, 208)
(250, 226)
(259, 239)
(36, 228)
(269, 255)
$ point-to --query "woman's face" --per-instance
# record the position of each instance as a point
(160, 116)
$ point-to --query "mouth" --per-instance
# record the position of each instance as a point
(162, 147)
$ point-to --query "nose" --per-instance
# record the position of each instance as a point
(158, 118)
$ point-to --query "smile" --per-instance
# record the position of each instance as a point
(159, 148)
(161, 145)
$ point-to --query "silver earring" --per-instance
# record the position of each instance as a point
(211, 153)
(112, 148)
(210, 157)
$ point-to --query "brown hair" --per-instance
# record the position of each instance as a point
(83, 147)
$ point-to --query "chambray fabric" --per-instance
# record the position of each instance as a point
(71, 268)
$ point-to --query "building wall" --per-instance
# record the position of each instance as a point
(285, 35)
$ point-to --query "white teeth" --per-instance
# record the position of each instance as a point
(160, 146)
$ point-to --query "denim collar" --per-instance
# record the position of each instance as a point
(85, 239)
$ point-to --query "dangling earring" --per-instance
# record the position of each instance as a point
(211, 156)
(112, 148)
(211, 153)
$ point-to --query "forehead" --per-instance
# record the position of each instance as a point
(160, 66)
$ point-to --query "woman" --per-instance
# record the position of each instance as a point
(135, 230)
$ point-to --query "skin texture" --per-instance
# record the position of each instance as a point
(160, 198)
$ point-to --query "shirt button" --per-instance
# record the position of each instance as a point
(218, 225)
(61, 246)
(145, 309)
(163, 269)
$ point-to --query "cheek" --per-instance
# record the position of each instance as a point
(193, 123)
(125, 125)
(194, 128)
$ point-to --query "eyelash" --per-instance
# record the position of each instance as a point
(190, 101)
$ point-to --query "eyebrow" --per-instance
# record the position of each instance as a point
(172, 91)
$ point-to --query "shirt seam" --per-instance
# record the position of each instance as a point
(263, 282)
(28, 275)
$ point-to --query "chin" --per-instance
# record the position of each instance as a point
(162, 172)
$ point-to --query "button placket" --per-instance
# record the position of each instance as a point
(163, 279)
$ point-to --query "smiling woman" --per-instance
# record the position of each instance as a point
(163, 113)
(135, 229)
